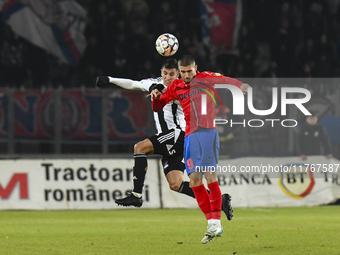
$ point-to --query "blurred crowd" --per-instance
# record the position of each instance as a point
(291, 38)
(302, 38)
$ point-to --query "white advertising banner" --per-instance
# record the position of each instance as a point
(266, 182)
(95, 184)
(72, 184)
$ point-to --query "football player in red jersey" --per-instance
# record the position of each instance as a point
(201, 145)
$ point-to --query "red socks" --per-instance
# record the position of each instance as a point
(203, 200)
(210, 205)
(215, 200)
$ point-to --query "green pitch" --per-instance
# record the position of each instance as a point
(304, 230)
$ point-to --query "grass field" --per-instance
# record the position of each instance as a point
(303, 230)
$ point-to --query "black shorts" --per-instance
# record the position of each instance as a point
(170, 145)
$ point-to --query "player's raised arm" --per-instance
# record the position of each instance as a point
(243, 86)
(109, 82)
(228, 80)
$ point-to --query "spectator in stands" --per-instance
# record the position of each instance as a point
(271, 71)
(37, 65)
(284, 56)
(306, 71)
(313, 139)
(132, 25)
(283, 40)
(308, 54)
(12, 59)
(315, 24)
(238, 70)
(193, 51)
(90, 62)
(262, 17)
(325, 57)
(248, 51)
(284, 27)
(59, 72)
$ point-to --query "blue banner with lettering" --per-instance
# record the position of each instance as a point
(81, 115)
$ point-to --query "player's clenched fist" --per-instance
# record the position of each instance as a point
(102, 82)
(244, 87)
(155, 94)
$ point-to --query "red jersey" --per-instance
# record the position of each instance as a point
(199, 111)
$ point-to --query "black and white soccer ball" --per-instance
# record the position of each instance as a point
(167, 45)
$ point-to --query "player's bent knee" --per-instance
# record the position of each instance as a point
(138, 148)
(174, 186)
(144, 147)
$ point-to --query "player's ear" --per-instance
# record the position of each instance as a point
(195, 67)
(177, 75)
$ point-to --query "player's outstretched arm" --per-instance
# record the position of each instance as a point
(243, 86)
(104, 82)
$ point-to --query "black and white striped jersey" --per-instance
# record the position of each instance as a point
(171, 116)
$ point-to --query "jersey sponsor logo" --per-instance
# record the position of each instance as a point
(190, 93)
(198, 88)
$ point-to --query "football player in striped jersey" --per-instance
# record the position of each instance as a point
(169, 140)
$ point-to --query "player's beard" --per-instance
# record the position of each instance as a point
(187, 81)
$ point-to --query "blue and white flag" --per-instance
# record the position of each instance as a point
(56, 26)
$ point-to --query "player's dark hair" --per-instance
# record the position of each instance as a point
(186, 60)
(170, 63)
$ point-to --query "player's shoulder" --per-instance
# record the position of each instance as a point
(209, 74)
(150, 81)
(176, 83)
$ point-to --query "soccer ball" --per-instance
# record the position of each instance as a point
(167, 45)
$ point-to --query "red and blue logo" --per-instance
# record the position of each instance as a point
(296, 180)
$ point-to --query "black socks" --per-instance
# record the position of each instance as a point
(139, 172)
